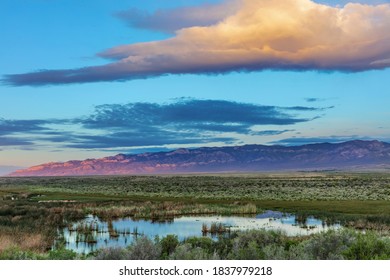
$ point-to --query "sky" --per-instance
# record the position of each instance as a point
(94, 78)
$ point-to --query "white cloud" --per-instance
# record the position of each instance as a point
(261, 34)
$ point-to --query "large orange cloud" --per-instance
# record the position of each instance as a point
(261, 34)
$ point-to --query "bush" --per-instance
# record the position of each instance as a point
(368, 246)
(224, 246)
(262, 237)
(328, 245)
(144, 249)
(168, 245)
(112, 253)
(62, 254)
(187, 252)
(251, 251)
(249, 245)
(202, 242)
(275, 252)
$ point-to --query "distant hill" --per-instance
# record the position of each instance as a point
(249, 158)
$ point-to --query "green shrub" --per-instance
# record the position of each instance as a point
(262, 237)
(275, 252)
(62, 254)
(251, 251)
(144, 249)
(368, 246)
(224, 246)
(168, 245)
(112, 253)
(328, 245)
(202, 242)
(187, 252)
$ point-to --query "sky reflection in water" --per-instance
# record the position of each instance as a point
(184, 227)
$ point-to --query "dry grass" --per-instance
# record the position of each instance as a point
(27, 242)
(149, 209)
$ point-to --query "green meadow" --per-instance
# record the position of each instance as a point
(33, 209)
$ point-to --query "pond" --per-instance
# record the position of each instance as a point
(92, 233)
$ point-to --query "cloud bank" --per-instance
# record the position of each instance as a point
(187, 121)
(258, 35)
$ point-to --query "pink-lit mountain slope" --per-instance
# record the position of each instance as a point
(352, 155)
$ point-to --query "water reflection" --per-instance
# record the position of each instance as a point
(91, 233)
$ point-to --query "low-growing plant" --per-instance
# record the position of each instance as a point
(112, 253)
(168, 245)
(187, 252)
(18, 254)
(368, 246)
(63, 254)
(143, 248)
(328, 245)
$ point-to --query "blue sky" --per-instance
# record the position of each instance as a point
(77, 83)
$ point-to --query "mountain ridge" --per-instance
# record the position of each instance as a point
(247, 158)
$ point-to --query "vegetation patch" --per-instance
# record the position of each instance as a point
(33, 209)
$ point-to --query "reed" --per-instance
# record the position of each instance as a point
(215, 228)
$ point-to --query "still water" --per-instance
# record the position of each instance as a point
(91, 233)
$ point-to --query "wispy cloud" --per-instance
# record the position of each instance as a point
(14, 141)
(21, 126)
(268, 34)
(131, 139)
(184, 122)
(296, 141)
(270, 132)
(314, 99)
(208, 114)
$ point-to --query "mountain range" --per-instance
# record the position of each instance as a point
(351, 155)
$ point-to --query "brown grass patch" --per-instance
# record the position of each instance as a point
(28, 242)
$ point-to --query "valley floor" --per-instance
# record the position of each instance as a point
(33, 209)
